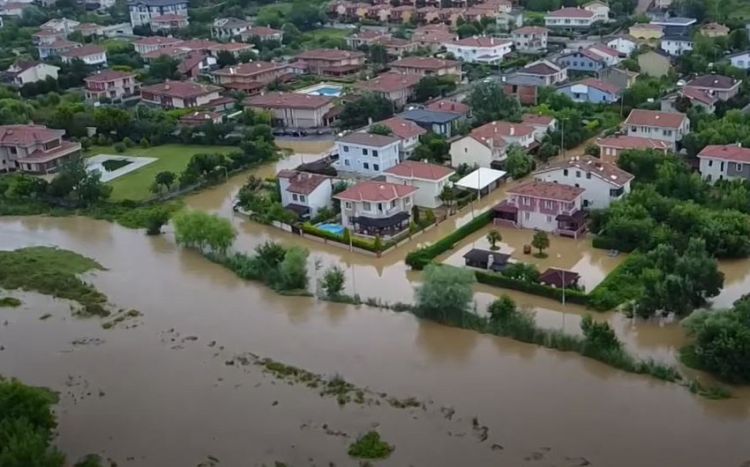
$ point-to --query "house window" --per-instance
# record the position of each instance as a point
(393, 203)
(565, 172)
(710, 163)
(364, 152)
(527, 215)
(348, 205)
(374, 153)
(633, 128)
(346, 148)
(366, 165)
(376, 167)
(346, 162)
(294, 196)
(366, 206)
(588, 174)
(667, 132)
(380, 207)
(549, 219)
(301, 199)
(739, 166)
(578, 174)
(407, 202)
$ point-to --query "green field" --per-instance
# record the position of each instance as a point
(172, 157)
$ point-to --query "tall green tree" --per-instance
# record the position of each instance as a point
(208, 233)
(358, 113)
(445, 294)
(489, 103)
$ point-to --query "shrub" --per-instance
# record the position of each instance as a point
(128, 142)
(502, 281)
(119, 147)
(333, 281)
(370, 446)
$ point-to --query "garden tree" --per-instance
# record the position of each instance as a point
(74, 181)
(488, 103)
(378, 54)
(642, 90)
(697, 9)
(24, 186)
(467, 30)
(333, 281)
(380, 129)
(631, 64)
(433, 148)
(292, 34)
(540, 241)
(13, 111)
(598, 337)
(204, 167)
(359, 112)
(547, 151)
(293, 269)
(682, 103)
(445, 295)
(112, 120)
(507, 319)
(271, 17)
(493, 236)
(433, 86)
(518, 162)
(225, 58)
(71, 74)
(26, 426)
(163, 68)
(207, 233)
(738, 40)
(156, 217)
(305, 15)
(448, 197)
(721, 342)
(165, 179)
(570, 131)
(522, 271)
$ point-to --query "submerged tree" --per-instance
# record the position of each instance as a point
(445, 294)
(208, 233)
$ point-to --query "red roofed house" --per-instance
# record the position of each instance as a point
(591, 90)
(559, 278)
(169, 22)
(545, 71)
(152, 43)
(485, 146)
(377, 208)
(571, 18)
(543, 124)
(720, 87)
(530, 39)
(262, 34)
(304, 193)
(200, 118)
(426, 66)
(604, 182)
(34, 149)
(332, 62)
(450, 106)
(194, 63)
(488, 50)
(180, 94)
(610, 148)
(405, 130)
(111, 85)
(92, 55)
(367, 37)
(669, 127)
(433, 37)
(429, 179)
(550, 207)
(719, 162)
(251, 77)
(395, 87)
(293, 110)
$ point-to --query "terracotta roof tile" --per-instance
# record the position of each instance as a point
(293, 100)
(633, 142)
(374, 191)
(422, 170)
(180, 89)
(498, 132)
(713, 82)
(655, 119)
(108, 75)
(403, 129)
(390, 82)
(610, 173)
(450, 106)
(547, 190)
(425, 63)
(482, 42)
(571, 12)
(329, 54)
(26, 135)
(302, 183)
(728, 152)
(84, 51)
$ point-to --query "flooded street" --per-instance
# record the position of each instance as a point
(159, 391)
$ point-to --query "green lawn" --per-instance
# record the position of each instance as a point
(172, 157)
(328, 33)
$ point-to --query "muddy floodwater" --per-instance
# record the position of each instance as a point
(163, 389)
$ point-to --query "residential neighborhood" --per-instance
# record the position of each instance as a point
(330, 214)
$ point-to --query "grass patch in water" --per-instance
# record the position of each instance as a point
(52, 271)
(10, 302)
(370, 446)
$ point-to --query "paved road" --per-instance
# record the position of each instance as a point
(643, 6)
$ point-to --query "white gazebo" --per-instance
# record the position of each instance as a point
(483, 180)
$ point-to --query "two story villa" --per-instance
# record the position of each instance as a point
(180, 94)
(250, 77)
(724, 162)
(550, 207)
(426, 66)
(367, 153)
(376, 208)
(570, 18)
(34, 149)
(332, 62)
(429, 179)
(396, 87)
(603, 182)
(669, 127)
(405, 130)
(304, 193)
(485, 146)
(489, 50)
(142, 12)
(611, 148)
(530, 39)
(294, 110)
(111, 85)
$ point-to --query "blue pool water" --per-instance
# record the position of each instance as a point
(336, 229)
(328, 91)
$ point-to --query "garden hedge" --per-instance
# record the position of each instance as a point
(498, 280)
(358, 242)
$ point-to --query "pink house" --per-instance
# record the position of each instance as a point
(546, 206)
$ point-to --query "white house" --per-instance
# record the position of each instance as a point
(570, 18)
(92, 55)
(304, 193)
(546, 206)
(599, 9)
(485, 146)
(228, 28)
(376, 208)
(676, 45)
(429, 179)
(625, 44)
(724, 162)
(367, 154)
(740, 60)
(610, 56)
(664, 126)
(31, 72)
(603, 182)
(489, 50)
(143, 11)
(530, 39)
(405, 130)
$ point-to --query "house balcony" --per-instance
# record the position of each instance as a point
(571, 225)
(381, 226)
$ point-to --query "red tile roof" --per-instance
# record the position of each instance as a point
(26, 135)
(497, 132)
(714, 82)
(531, 119)
(374, 191)
(700, 95)
(85, 51)
(425, 63)
(728, 152)
(174, 52)
(482, 42)
(600, 85)
(180, 89)
(655, 119)
(571, 12)
(158, 40)
(108, 75)
(603, 49)
(403, 129)
(542, 67)
(547, 190)
(610, 173)
(302, 183)
(390, 82)
(288, 100)
(422, 170)
(450, 106)
(530, 30)
(249, 69)
(633, 142)
(329, 54)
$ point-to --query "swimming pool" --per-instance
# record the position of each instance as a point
(335, 229)
(323, 89)
(329, 91)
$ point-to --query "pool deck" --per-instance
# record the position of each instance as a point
(135, 164)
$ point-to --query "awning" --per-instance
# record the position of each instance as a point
(576, 216)
(298, 209)
(381, 222)
(505, 207)
(481, 178)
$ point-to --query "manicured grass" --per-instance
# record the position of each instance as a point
(172, 157)
(328, 33)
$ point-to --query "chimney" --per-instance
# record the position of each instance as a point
(512, 130)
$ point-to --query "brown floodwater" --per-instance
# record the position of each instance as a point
(147, 393)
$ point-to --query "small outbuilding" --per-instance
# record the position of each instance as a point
(485, 259)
